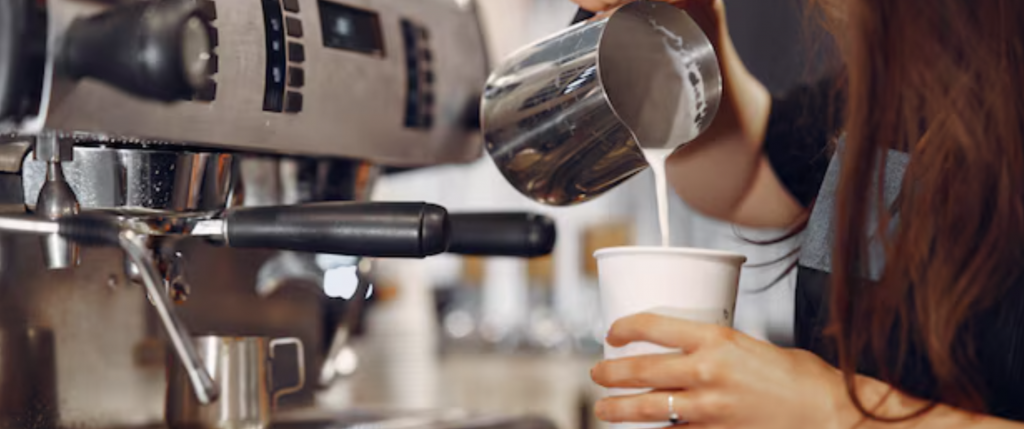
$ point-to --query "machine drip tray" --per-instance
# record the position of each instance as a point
(394, 419)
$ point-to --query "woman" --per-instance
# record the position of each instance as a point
(914, 307)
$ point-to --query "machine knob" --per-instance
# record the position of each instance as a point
(22, 57)
(158, 49)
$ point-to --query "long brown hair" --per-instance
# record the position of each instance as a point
(942, 80)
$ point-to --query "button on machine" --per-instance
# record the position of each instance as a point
(284, 32)
(207, 9)
(296, 52)
(294, 27)
(419, 103)
(273, 96)
(293, 102)
(296, 77)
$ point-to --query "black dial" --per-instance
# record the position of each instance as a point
(157, 49)
(22, 57)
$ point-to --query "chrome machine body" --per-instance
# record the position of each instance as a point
(388, 81)
(187, 131)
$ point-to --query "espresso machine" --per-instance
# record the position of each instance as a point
(172, 168)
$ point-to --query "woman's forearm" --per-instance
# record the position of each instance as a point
(717, 173)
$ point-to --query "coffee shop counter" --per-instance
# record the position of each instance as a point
(552, 387)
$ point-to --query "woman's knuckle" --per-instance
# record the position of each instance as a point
(707, 371)
(699, 409)
(722, 334)
(720, 404)
(705, 408)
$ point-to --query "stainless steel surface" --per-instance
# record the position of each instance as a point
(51, 147)
(354, 103)
(28, 225)
(111, 352)
(164, 167)
(57, 200)
(380, 418)
(27, 377)
(242, 368)
(213, 228)
(12, 154)
(203, 387)
(564, 119)
(109, 178)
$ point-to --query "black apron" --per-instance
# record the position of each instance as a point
(1000, 333)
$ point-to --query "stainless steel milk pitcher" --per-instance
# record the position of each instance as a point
(242, 369)
(565, 118)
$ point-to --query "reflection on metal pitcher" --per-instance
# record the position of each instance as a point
(564, 118)
(241, 367)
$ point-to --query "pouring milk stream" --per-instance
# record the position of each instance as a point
(691, 111)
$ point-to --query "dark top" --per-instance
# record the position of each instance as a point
(802, 125)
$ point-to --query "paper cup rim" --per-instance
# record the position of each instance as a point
(681, 251)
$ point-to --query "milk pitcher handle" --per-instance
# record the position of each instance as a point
(301, 362)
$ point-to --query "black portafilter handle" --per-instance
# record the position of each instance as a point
(387, 230)
(395, 230)
(525, 235)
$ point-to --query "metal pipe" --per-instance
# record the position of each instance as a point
(138, 255)
(26, 225)
(205, 389)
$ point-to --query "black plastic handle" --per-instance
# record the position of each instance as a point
(137, 47)
(524, 235)
(392, 230)
(582, 15)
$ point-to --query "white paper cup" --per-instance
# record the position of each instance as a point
(693, 284)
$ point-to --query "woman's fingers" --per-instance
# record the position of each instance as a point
(691, 406)
(670, 332)
(598, 5)
(664, 371)
(603, 5)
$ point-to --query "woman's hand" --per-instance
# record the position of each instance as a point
(724, 380)
(710, 14)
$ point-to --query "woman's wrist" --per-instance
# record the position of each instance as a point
(886, 402)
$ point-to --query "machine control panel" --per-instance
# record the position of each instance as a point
(388, 81)
(419, 107)
(285, 55)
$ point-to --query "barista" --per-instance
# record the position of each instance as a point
(909, 285)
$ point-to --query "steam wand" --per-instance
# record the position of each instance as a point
(103, 231)
(205, 389)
